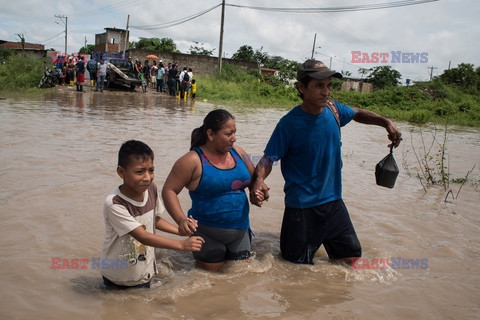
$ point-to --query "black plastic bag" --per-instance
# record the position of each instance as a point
(386, 171)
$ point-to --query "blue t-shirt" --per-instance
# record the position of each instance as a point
(220, 200)
(309, 148)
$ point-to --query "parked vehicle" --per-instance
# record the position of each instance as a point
(121, 77)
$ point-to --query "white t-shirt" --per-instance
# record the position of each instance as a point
(126, 261)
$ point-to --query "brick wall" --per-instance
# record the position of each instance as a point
(18, 45)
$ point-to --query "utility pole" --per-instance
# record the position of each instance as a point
(331, 62)
(220, 50)
(126, 37)
(66, 29)
(85, 42)
(431, 72)
(313, 49)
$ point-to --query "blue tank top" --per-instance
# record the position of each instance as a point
(220, 200)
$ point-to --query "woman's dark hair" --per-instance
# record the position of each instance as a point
(305, 82)
(133, 149)
(214, 120)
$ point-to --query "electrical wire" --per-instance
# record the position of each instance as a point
(108, 9)
(175, 22)
(52, 37)
(373, 6)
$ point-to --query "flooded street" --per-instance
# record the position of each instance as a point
(59, 156)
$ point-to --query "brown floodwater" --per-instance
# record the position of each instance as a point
(58, 156)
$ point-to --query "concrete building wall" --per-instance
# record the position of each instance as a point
(113, 40)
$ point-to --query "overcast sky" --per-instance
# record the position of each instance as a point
(441, 32)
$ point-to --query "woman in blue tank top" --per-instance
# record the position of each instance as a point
(216, 174)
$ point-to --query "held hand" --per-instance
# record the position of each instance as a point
(188, 226)
(193, 243)
(259, 193)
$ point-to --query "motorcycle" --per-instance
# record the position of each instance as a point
(50, 78)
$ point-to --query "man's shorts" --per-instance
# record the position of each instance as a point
(305, 230)
(223, 244)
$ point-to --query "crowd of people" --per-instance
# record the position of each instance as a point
(170, 78)
(216, 172)
(164, 78)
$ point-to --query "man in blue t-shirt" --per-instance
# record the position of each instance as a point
(307, 141)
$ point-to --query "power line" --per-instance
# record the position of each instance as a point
(108, 9)
(175, 22)
(364, 7)
(51, 38)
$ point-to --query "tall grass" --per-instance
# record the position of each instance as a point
(20, 72)
(238, 86)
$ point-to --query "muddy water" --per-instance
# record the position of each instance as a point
(58, 157)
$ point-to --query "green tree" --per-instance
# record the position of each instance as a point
(244, 53)
(89, 49)
(163, 44)
(261, 57)
(287, 68)
(384, 76)
(363, 71)
(464, 75)
(198, 49)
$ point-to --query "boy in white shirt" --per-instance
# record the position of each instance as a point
(131, 214)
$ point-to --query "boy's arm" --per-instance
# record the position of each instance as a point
(165, 226)
(190, 244)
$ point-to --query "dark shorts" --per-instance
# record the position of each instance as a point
(223, 244)
(305, 230)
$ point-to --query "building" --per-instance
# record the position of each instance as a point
(113, 40)
(354, 84)
(32, 49)
(21, 46)
(269, 72)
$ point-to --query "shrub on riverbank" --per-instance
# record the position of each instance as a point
(238, 86)
(19, 72)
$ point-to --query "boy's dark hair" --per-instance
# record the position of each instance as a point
(133, 148)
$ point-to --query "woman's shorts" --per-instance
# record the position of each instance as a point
(223, 244)
(305, 230)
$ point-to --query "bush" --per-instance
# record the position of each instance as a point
(20, 71)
